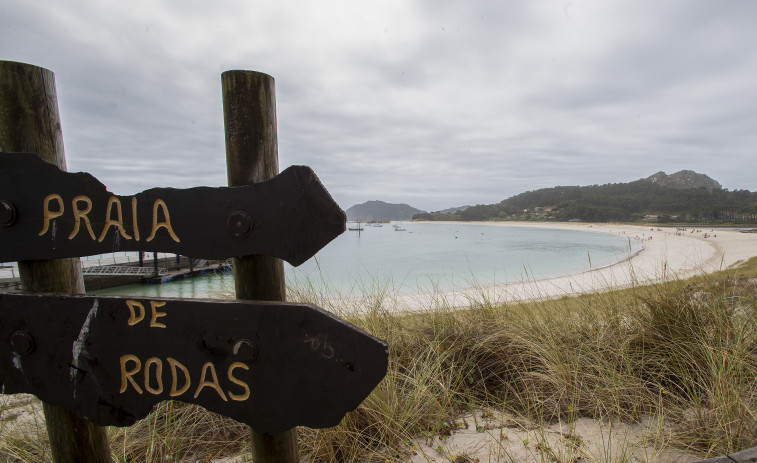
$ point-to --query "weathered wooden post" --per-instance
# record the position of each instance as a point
(249, 107)
(29, 122)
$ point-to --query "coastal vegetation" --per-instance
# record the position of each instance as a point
(644, 199)
(679, 356)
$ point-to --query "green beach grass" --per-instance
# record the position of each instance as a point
(679, 356)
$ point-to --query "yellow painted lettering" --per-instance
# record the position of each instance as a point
(238, 382)
(174, 379)
(134, 227)
(160, 204)
(81, 214)
(156, 314)
(127, 375)
(208, 367)
(158, 375)
(133, 317)
(109, 222)
(49, 215)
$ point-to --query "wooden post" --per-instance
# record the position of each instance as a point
(29, 122)
(249, 111)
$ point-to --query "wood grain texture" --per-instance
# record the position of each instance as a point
(30, 122)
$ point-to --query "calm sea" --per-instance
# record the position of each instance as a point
(429, 256)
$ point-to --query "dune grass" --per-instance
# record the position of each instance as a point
(682, 354)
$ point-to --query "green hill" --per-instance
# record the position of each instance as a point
(683, 197)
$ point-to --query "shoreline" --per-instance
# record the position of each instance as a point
(666, 254)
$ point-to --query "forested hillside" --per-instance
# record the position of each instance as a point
(638, 200)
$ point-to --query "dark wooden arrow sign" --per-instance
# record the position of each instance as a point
(291, 216)
(270, 365)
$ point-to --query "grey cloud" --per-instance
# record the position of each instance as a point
(432, 103)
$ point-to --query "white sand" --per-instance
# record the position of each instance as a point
(499, 438)
(667, 254)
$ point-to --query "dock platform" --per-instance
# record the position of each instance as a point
(107, 272)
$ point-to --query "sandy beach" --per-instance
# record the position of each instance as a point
(667, 253)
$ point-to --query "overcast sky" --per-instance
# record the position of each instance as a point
(431, 103)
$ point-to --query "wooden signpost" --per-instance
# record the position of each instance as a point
(46, 213)
(270, 365)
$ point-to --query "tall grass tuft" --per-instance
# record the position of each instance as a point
(175, 431)
(699, 345)
(681, 355)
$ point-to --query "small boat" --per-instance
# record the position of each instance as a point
(355, 227)
(399, 228)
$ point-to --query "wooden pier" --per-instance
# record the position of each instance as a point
(125, 272)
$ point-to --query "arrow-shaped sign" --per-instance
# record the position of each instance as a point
(46, 213)
(270, 365)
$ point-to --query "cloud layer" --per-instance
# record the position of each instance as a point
(435, 104)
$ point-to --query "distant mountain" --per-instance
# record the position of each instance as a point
(379, 210)
(685, 179)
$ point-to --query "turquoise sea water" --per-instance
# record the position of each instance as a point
(428, 256)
